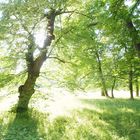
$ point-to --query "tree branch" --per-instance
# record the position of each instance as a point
(22, 24)
(34, 26)
(58, 41)
(63, 61)
(59, 12)
(134, 6)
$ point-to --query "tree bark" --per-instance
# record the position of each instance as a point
(131, 82)
(134, 35)
(137, 87)
(25, 93)
(101, 76)
(102, 92)
(34, 65)
(112, 88)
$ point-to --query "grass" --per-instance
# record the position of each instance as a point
(100, 119)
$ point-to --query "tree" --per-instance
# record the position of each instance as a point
(108, 27)
(86, 39)
(26, 19)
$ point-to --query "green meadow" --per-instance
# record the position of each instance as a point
(99, 119)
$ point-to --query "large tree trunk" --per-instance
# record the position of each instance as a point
(25, 93)
(34, 65)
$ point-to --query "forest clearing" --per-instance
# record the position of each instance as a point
(67, 116)
(69, 69)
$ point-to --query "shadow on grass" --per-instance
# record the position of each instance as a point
(23, 127)
(122, 117)
(34, 126)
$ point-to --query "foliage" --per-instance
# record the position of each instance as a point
(91, 28)
(103, 31)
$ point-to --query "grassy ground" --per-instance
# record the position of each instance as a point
(99, 119)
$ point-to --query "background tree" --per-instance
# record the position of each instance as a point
(106, 29)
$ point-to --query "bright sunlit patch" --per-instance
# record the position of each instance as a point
(7, 102)
(4, 1)
(62, 102)
(40, 37)
(127, 110)
(0, 14)
(59, 104)
(20, 66)
(129, 2)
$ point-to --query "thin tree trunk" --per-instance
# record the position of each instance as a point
(102, 92)
(134, 35)
(112, 89)
(137, 87)
(101, 76)
(131, 82)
